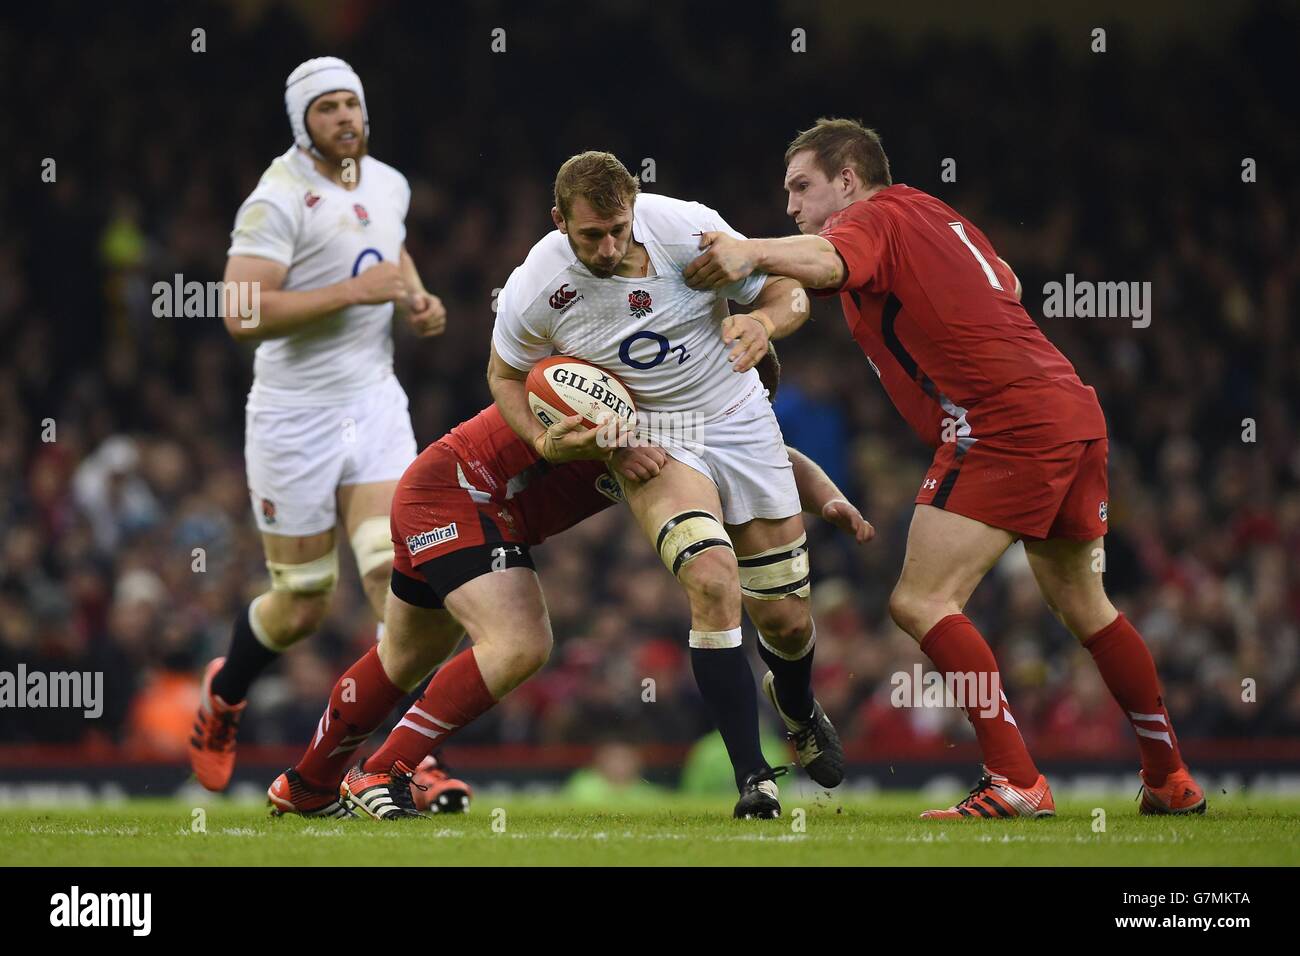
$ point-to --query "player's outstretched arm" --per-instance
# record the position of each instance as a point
(820, 496)
(810, 260)
(279, 312)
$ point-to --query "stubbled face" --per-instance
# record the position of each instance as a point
(812, 197)
(599, 242)
(337, 127)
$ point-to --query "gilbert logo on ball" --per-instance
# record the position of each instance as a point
(561, 386)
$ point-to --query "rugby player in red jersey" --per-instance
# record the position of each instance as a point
(465, 515)
(1020, 441)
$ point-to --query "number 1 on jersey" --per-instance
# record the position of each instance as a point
(958, 228)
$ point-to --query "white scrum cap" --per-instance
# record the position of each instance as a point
(313, 79)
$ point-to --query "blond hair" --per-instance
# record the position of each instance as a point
(598, 178)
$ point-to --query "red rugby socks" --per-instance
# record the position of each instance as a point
(957, 648)
(358, 704)
(1130, 674)
(454, 697)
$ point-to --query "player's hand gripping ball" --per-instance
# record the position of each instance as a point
(588, 412)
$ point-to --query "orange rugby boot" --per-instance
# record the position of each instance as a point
(434, 788)
(997, 798)
(212, 744)
(381, 795)
(290, 794)
(1180, 794)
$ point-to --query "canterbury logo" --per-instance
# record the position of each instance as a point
(562, 296)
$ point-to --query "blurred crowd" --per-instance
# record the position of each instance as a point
(126, 539)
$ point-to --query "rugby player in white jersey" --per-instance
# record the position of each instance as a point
(328, 432)
(724, 512)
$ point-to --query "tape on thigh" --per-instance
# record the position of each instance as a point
(777, 572)
(310, 578)
(372, 543)
(688, 534)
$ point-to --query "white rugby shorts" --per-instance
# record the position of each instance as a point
(297, 457)
(743, 453)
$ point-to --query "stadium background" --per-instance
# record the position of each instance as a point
(1122, 166)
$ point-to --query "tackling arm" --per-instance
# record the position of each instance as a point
(810, 260)
(820, 496)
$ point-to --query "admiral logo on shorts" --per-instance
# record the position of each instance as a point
(415, 543)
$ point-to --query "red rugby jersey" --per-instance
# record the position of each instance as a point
(935, 311)
(549, 498)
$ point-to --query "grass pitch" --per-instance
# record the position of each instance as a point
(521, 831)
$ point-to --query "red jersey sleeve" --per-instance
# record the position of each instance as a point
(863, 235)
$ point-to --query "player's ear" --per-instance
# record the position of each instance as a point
(848, 180)
(558, 220)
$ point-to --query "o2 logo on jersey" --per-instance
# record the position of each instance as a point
(662, 346)
(356, 266)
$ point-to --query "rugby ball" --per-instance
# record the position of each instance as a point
(561, 386)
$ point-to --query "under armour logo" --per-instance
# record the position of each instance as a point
(930, 483)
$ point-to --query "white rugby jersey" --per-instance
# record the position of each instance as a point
(659, 336)
(324, 234)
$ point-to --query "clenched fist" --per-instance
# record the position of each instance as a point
(380, 283)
